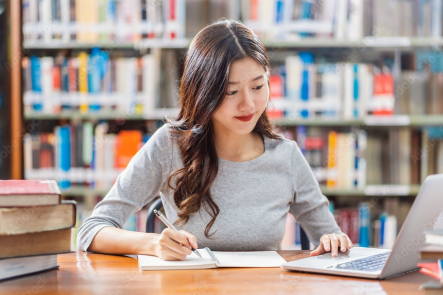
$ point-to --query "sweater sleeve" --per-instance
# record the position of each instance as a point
(137, 185)
(310, 207)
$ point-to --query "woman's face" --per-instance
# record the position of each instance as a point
(245, 99)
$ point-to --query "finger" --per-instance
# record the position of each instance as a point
(326, 242)
(191, 239)
(169, 255)
(343, 242)
(176, 247)
(334, 244)
(350, 244)
(179, 238)
(318, 251)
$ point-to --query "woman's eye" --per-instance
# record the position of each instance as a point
(234, 92)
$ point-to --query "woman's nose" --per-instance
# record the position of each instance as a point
(247, 101)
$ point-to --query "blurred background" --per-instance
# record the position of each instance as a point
(357, 83)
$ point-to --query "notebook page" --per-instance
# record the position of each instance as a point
(147, 262)
(249, 259)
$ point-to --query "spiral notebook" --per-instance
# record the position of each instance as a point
(214, 259)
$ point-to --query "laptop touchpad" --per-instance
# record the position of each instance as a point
(340, 255)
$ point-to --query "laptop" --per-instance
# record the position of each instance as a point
(377, 263)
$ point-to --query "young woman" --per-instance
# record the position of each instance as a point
(228, 180)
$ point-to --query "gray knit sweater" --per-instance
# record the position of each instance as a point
(254, 197)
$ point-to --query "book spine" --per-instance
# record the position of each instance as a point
(83, 81)
(364, 218)
(332, 160)
(307, 59)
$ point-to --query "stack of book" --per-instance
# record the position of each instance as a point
(34, 226)
(432, 256)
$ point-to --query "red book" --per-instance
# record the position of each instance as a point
(172, 16)
(56, 78)
(127, 145)
(275, 93)
(45, 151)
(430, 269)
(384, 95)
(72, 76)
(20, 193)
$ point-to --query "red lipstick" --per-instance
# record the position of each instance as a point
(245, 118)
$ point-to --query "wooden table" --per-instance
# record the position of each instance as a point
(82, 273)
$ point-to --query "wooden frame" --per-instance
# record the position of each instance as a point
(16, 93)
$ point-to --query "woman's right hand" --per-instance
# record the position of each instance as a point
(172, 245)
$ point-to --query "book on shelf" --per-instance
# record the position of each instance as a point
(350, 91)
(94, 21)
(63, 21)
(342, 19)
(81, 153)
(355, 158)
(344, 90)
(98, 82)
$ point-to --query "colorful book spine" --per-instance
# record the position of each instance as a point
(332, 160)
(83, 81)
(64, 156)
(364, 222)
(307, 60)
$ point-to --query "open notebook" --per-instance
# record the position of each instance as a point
(214, 259)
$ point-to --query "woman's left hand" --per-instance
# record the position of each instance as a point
(332, 242)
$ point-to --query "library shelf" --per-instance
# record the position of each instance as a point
(367, 42)
(370, 190)
(159, 114)
(138, 45)
(376, 121)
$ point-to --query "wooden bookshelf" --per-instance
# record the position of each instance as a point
(16, 92)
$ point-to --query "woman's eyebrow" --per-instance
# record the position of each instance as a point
(256, 78)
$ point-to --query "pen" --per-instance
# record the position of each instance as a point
(171, 226)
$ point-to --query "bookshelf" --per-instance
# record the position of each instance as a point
(5, 132)
(371, 190)
(159, 114)
(368, 48)
(376, 43)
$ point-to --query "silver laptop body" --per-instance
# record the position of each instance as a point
(404, 255)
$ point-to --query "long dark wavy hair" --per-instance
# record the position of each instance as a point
(202, 91)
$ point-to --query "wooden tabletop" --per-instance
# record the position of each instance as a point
(83, 273)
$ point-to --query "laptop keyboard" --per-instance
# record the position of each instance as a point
(371, 263)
